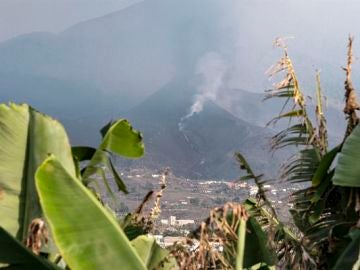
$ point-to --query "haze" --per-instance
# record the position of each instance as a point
(24, 16)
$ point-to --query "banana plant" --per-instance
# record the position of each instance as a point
(28, 137)
(325, 210)
(87, 234)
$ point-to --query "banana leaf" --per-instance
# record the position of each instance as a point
(347, 171)
(27, 137)
(153, 256)
(86, 234)
(18, 257)
(120, 139)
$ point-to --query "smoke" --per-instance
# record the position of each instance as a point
(212, 69)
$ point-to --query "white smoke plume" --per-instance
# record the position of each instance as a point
(212, 69)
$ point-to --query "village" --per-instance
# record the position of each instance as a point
(185, 203)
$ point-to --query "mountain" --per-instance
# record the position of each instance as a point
(78, 105)
(205, 145)
(252, 107)
(128, 54)
(145, 62)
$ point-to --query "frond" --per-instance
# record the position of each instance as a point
(261, 194)
(351, 103)
(320, 118)
(302, 166)
(289, 248)
(289, 89)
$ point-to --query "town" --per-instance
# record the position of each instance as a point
(185, 203)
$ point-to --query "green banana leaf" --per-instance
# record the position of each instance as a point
(256, 245)
(87, 235)
(119, 138)
(83, 153)
(324, 165)
(350, 258)
(27, 137)
(347, 171)
(18, 257)
(153, 256)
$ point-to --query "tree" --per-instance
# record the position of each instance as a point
(86, 234)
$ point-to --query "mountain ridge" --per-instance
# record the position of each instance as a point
(206, 145)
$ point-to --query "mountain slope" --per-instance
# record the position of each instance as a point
(102, 68)
(206, 145)
(132, 53)
(256, 110)
(128, 54)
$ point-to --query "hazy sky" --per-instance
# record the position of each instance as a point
(319, 27)
(24, 16)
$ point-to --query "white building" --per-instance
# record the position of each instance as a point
(182, 222)
(177, 222)
(164, 222)
(253, 190)
(172, 220)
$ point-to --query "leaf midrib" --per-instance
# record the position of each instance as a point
(24, 217)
